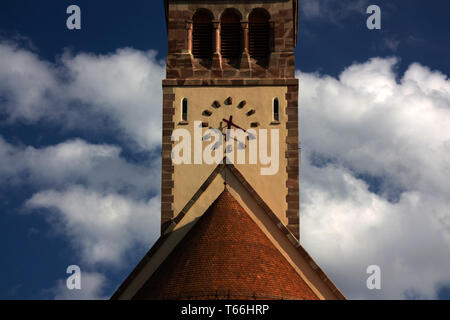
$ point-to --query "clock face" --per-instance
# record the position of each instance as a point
(233, 116)
(230, 109)
(207, 114)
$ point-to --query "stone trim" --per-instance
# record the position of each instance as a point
(184, 211)
(139, 267)
(167, 168)
(292, 142)
(285, 230)
(283, 31)
(292, 158)
(260, 201)
(230, 82)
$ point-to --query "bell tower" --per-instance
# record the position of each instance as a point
(230, 160)
(233, 61)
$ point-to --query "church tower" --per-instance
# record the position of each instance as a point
(232, 59)
(230, 160)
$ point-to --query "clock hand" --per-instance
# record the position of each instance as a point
(230, 123)
(206, 137)
(224, 134)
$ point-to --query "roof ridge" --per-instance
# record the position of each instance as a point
(225, 250)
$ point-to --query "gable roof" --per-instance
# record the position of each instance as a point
(295, 17)
(312, 266)
(225, 255)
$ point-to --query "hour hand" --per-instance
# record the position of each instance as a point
(230, 124)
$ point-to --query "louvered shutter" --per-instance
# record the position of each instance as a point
(202, 36)
(230, 36)
(259, 35)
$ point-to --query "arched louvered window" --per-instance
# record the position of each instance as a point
(230, 34)
(184, 110)
(276, 110)
(202, 34)
(259, 34)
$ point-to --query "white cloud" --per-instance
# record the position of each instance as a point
(101, 226)
(366, 122)
(27, 85)
(99, 167)
(92, 286)
(397, 135)
(125, 86)
(103, 203)
(85, 91)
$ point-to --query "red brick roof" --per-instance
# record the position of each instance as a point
(225, 255)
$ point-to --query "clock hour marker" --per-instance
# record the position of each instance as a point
(216, 104)
(254, 124)
(251, 112)
(207, 113)
(205, 124)
(229, 101)
(242, 104)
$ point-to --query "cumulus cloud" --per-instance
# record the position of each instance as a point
(99, 167)
(375, 175)
(101, 226)
(95, 195)
(375, 151)
(122, 90)
(92, 286)
(28, 85)
(126, 86)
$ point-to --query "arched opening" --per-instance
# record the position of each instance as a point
(276, 110)
(230, 34)
(184, 110)
(259, 35)
(202, 34)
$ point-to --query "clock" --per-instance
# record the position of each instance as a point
(228, 112)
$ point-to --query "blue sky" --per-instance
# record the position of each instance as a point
(79, 144)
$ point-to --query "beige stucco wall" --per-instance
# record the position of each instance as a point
(189, 177)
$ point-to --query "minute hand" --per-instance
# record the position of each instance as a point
(231, 123)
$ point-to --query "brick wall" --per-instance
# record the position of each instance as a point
(225, 255)
(184, 70)
(182, 65)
